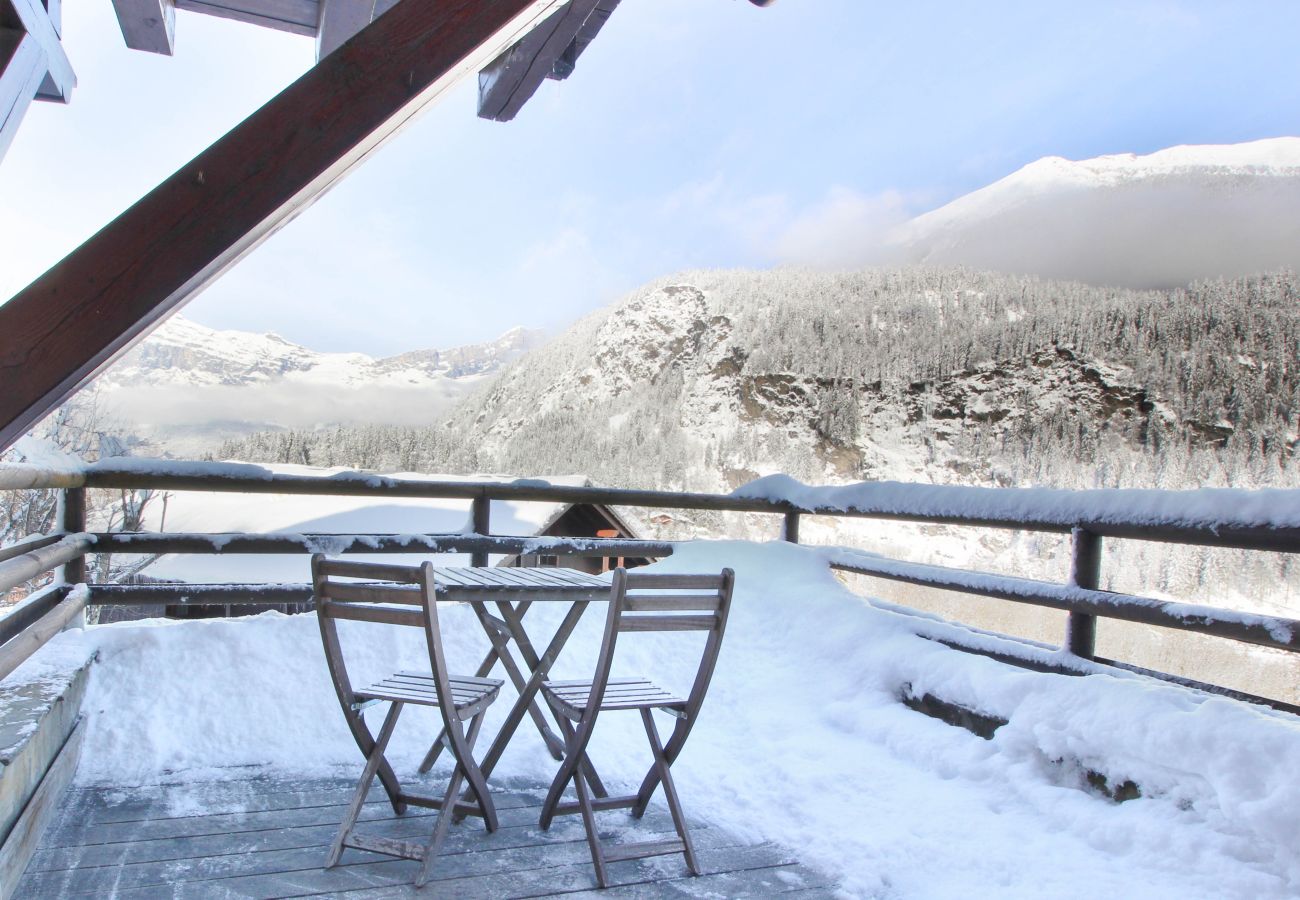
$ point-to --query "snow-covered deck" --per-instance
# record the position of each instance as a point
(802, 744)
(263, 838)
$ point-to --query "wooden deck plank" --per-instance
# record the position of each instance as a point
(260, 838)
(51, 858)
(196, 800)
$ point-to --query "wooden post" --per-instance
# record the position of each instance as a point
(790, 530)
(481, 514)
(73, 515)
(73, 521)
(1085, 572)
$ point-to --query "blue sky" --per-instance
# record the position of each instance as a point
(695, 133)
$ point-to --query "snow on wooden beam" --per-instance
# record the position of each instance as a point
(113, 290)
(148, 25)
(512, 78)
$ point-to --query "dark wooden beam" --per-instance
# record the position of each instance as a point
(512, 78)
(109, 293)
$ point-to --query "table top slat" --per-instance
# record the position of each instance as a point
(472, 583)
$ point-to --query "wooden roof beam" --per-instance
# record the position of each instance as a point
(73, 321)
(512, 78)
(568, 60)
(293, 16)
(148, 25)
(42, 26)
(24, 69)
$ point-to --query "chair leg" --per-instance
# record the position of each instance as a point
(440, 826)
(435, 750)
(571, 765)
(589, 822)
(670, 791)
(671, 749)
(448, 811)
(363, 786)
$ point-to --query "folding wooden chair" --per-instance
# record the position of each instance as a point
(406, 597)
(638, 603)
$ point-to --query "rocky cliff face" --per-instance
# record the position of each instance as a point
(669, 366)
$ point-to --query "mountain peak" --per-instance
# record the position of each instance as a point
(1161, 219)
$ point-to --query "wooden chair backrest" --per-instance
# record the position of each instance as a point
(652, 602)
(389, 595)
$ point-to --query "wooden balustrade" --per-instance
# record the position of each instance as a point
(41, 616)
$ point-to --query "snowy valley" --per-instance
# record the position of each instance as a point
(188, 387)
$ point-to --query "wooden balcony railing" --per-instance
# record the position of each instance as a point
(1145, 515)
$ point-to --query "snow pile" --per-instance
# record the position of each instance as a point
(802, 740)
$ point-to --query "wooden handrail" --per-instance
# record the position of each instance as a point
(14, 652)
(34, 563)
(28, 544)
(23, 477)
(1265, 631)
(932, 504)
(154, 542)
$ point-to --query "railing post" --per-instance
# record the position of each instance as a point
(72, 515)
(481, 516)
(790, 529)
(72, 519)
(1085, 572)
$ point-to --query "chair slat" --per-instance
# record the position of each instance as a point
(670, 602)
(587, 681)
(369, 570)
(639, 582)
(352, 592)
(468, 679)
(667, 623)
(385, 615)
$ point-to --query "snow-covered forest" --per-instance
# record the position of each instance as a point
(989, 378)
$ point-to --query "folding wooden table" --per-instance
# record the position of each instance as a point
(512, 591)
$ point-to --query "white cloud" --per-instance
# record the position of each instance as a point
(845, 228)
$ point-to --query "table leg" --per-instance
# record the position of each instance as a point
(530, 689)
(501, 651)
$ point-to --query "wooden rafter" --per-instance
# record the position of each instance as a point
(513, 77)
(148, 25)
(75, 319)
(32, 17)
(33, 65)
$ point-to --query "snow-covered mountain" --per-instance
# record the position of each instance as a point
(188, 387)
(1159, 220)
